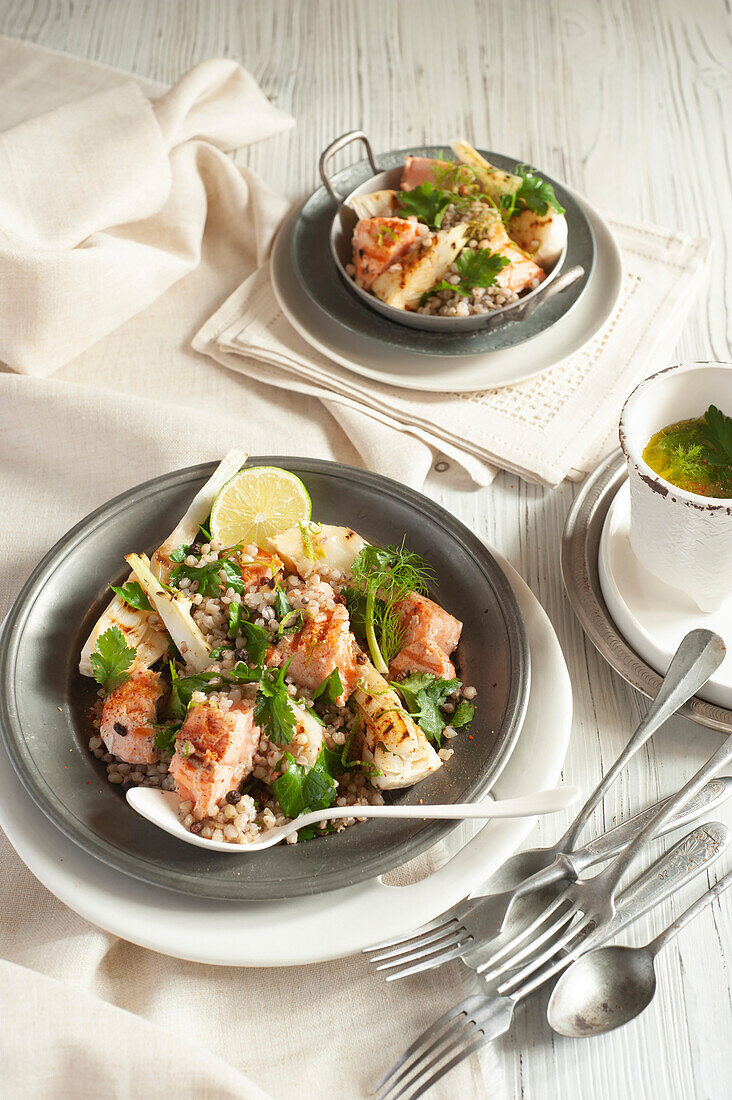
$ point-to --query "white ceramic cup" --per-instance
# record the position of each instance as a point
(683, 538)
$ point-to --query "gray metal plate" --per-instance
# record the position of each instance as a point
(44, 702)
(579, 560)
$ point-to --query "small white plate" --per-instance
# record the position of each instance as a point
(370, 358)
(307, 929)
(652, 616)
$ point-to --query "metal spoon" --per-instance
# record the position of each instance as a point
(161, 808)
(607, 988)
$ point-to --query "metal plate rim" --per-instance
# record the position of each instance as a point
(580, 574)
(106, 851)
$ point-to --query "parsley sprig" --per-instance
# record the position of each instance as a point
(425, 695)
(111, 659)
(476, 267)
(426, 202)
(716, 434)
(272, 708)
(208, 576)
(132, 594)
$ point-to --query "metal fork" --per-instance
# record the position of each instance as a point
(482, 1017)
(472, 922)
(589, 903)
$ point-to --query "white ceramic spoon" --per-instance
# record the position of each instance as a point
(161, 807)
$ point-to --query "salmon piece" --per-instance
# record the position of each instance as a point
(430, 636)
(128, 718)
(214, 751)
(323, 644)
(419, 170)
(378, 243)
(521, 270)
(265, 569)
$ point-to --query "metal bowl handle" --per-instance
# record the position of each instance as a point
(562, 282)
(335, 146)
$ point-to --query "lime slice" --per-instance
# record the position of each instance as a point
(258, 503)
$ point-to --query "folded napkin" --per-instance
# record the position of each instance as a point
(104, 200)
(556, 425)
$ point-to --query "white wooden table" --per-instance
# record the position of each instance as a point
(630, 103)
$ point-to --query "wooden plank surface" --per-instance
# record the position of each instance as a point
(630, 103)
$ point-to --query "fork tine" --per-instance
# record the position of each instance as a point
(509, 947)
(430, 962)
(403, 950)
(544, 956)
(459, 1010)
(527, 951)
(442, 921)
(443, 1070)
(440, 1048)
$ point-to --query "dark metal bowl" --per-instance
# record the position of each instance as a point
(44, 702)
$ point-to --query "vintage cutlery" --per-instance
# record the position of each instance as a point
(466, 924)
(161, 808)
(483, 1017)
(609, 987)
(464, 934)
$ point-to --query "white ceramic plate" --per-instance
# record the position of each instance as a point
(372, 359)
(652, 616)
(306, 929)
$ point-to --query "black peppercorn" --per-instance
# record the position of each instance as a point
(120, 729)
(233, 797)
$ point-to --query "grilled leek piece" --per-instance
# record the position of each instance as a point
(391, 740)
(176, 613)
(541, 236)
(494, 181)
(404, 284)
(151, 643)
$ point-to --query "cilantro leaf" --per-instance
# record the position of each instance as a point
(243, 674)
(182, 688)
(463, 715)
(272, 708)
(180, 553)
(300, 789)
(111, 659)
(133, 595)
(237, 615)
(257, 642)
(282, 605)
(424, 695)
(535, 193)
(208, 576)
(165, 737)
(291, 623)
(480, 266)
(217, 654)
(716, 432)
(427, 202)
(330, 688)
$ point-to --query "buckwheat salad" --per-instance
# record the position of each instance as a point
(263, 665)
(459, 237)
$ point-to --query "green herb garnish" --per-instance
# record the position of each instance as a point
(111, 659)
(386, 575)
(716, 433)
(208, 576)
(165, 737)
(301, 789)
(424, 696)
(463, 715)
(272, 709)
(330, 688)
(133, 595)
(257, 641)
(183, 687)
(476, 267)
(535, 193)
(426, 202)
(180, 553)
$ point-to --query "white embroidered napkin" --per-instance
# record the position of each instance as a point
(556, 425)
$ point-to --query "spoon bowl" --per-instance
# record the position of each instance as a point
(161, 808)
(602, 990)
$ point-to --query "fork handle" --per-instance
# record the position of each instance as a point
(700, 653)
(611, 876)
(614, 840)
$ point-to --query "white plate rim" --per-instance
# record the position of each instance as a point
(306, 930)
(465, 374)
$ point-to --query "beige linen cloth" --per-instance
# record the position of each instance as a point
(84, 1014)
(557, 425)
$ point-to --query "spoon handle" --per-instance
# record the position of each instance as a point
(689, 914)
(700, 653)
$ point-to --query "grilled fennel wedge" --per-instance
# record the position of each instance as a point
(152, 643)
(391, 740)
(404, 284)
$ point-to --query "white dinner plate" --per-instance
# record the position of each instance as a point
(306, 929)
(369, 357)
(652, 616)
